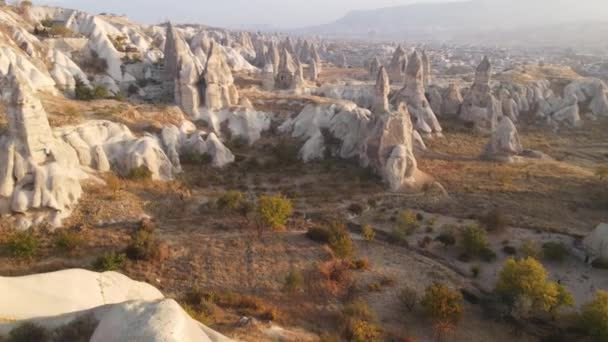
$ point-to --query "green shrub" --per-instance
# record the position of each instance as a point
(408, 297)
(47, 22)
(111, 261)
(143, 245)
(82, 91)
(447, 239)
(60, 30)
(22, 244)
(529, 249)
(318, 234)
(555, 251)
(442, 304)
(407, 222)
(363, 331)
(293, 280)
(368, 233)
(94, 64)
(340, 241)
(475, 243)
(274, 210)
(231, 200)
(68, 241)
(495, 220)
(140, 173)
(100, 92)
(594, 316)
(29, 332)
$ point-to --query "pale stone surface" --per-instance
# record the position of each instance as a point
(381, 91)
(125, 309)
(219, 88)
(286, 72)
(479, 105)
(596, 243)
(374, 67)
(398, 64)
(504, 144)
(412, 94)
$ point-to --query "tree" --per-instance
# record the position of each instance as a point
(274, 210)
(594, 316)
(368, 233)
(526, 280)
(340, 241)
(475, 243)
(442, 303)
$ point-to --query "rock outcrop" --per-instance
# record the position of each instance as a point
(37, 171)
(504, 145)
(182, 72)
(451, 101)
(286, 74)
(412, 94)
(398, 64)
(479, 106)
(426, 70)
(381, 91)
(374, 67)
(218, 84)
(120, 308)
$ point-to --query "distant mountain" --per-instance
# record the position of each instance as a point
(454, 20)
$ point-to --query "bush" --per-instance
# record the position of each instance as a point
(140, 173)
(593, 319)
(318, 234)
(46, 22)
(475, 243)
(274, 210)
(407, 222)
(143, 245)
(529, 249)
(84, 92)
(29, 332)
(360, 264)
(231, 200)
(368, 233)
(94, 64)
(111, 261)
(286, 152)
(100, 92)
(363, 331)
(526, 280)
(22, 245)
(60, 30)
(293, 281)
(447, 239)
(355, 208)
(408, 298)
(509, 250)
(442, 304)
(495, 220)
(68, 241)
(555, 251)
(340, 241)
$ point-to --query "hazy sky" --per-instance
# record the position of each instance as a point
(279, 13)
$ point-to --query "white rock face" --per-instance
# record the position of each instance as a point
(451, 101)
(398, 64)
(122, 149)
(37, 79)
(40, 172)
(219, 89)
(479, 105)
(65, 71)
(182, 72)
(125, 309)
(423, 117)
(383, 141)
(504, 144)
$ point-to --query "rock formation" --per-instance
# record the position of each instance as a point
(504, 145)
(286, 73)
(313, 70)
(425, 121)
(426, 70)
(37, 170)
(381, 91)
(122, 309)
(389, 149)
(374, 67)
(397, 65)
(479, 105)
(182, 72)
(451, 101)
(218, 86)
